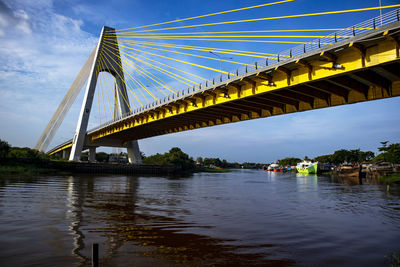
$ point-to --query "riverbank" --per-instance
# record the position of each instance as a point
(394, 178)
(20, 166)
(26, 169)
(212, 170)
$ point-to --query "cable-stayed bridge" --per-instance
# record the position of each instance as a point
(350, 65)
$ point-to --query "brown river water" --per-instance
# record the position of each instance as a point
(241, 218)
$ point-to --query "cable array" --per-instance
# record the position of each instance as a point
(160, 63)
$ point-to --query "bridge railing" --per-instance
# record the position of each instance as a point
(330, 39)
(61, 145)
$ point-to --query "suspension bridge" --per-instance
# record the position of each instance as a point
(141, 74)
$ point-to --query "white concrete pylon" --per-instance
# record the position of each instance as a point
(65, 105)
(111, 63)
(92, 154)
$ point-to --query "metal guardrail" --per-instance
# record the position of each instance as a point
(360, 28)
(57, 147)
(331, 39)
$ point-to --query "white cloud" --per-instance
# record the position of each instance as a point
(11, 20)
(23, 24)
(41, 53)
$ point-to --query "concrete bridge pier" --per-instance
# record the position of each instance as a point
(134, 156)
(112, 64)
(66, 153)
(92, 154)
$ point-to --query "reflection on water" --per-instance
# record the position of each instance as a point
(239, 218)
(75, 200)
(306, 182)
(309, 175)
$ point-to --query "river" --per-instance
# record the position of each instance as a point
(245, 217)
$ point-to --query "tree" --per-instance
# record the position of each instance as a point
(175, 156)
(324, 159)
(85, 156)
(24, 152)
(199, 160)
(383, 147)
(4, 149)
(178, 158)
(340, 156)
(208, 161)
(156, 159)
(343, 155)
(212, 161)
(102, 157)
(390, 153)
(289, 161)
(366, 156)
(224, 163)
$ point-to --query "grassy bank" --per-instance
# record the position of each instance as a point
(214, 170)
(390, 179)
(25, 169)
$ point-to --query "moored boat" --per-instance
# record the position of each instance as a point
(272, 167)
(306, 167)
(348, 170)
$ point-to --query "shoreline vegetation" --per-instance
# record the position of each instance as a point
(27, 169)
(26, 161)
(393, 178)
(212, 170)
(30, 167)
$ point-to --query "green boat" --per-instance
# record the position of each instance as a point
(307, 167)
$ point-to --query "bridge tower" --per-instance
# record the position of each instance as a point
(111, 64)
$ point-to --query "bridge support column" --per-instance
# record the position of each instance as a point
(134, 156)
(111, 64)
(66, 153)
(92, 154)
(81, 127)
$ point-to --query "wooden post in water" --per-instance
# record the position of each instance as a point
(95, 255)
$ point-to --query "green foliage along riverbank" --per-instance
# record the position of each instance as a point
(390, 153)
(343, 155)
(10, 165)
(175, 156)
(394, 178)
(212, 170)
(26, 169)
(7, 151)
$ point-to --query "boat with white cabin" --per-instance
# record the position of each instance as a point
(306, 167)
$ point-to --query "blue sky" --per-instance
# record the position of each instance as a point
(44, 43)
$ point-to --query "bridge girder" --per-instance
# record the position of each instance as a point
(330, 76)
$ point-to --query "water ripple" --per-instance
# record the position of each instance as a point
(238, 218)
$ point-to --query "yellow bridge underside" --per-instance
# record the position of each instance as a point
(355, 72)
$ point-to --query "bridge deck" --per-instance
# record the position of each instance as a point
(362, 68)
